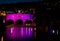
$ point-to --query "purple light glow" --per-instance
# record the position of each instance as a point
(19, 32)
(15, 17)
(22, 32)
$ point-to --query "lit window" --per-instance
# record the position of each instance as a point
(53, 31)
(35, 29)
(28, 23)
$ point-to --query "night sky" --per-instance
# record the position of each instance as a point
(16, 1)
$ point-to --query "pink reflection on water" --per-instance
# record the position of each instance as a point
(19, 32)
(14, 32)
(22, 32)
(26, 30)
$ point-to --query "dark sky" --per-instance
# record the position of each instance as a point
(16, 1)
